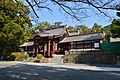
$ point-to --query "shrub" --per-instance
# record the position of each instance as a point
(20, 56)
(25, 56)
(11, 58)
(7, 56)
(39, 56)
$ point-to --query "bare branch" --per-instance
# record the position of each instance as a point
(37, 4)
(32, 8)
(98, 9)
(70, 13)
(78, 8)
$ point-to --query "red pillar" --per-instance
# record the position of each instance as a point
(48, 48)
(37, 51)
(53, 47)
(45, 49)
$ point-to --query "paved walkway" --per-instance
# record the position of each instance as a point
(54, 71)
(75, 66)
(65, 65)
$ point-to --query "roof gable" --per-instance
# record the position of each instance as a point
(53, 32)
(83, 37)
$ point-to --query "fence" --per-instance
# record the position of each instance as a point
(90, 57)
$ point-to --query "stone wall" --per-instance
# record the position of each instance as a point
(90, 57)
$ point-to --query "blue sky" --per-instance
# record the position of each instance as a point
(56, 16)
(59, 16)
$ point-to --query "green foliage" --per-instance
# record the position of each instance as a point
(39, 56)
(45, 25)
(107, 29)
(83, 28)
(20, 56)
(70, 28)
(115, 28)
(97, 28)
(11, 58)
(116, 22)
(14, 25)
(42, 26)
(7, 57)
(57, 24)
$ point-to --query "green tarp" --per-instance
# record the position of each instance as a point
(111, 46)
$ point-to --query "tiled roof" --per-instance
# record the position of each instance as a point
(27, 44)
(83, 37)
(52, 32)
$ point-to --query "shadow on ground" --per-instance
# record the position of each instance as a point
(33, 72)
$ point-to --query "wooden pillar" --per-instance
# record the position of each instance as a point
(56, 46)
(48, 48)
(36, 50)
(53, 45)
(45, 49)
(33, 51)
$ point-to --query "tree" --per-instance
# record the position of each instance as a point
(78, 9)
(70, 28)
(115, 28)
(58, 24)
(45, 25)
(107, 30)
(55, 25)
(97, 28)
(42, 26)
(14, 25)
(83, 28)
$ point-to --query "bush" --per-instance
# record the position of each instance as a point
(39, 56)
(11, 58)
(20, 56)
(7, 56)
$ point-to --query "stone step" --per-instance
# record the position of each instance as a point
(57, 59)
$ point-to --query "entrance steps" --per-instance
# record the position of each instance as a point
(56, 59)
